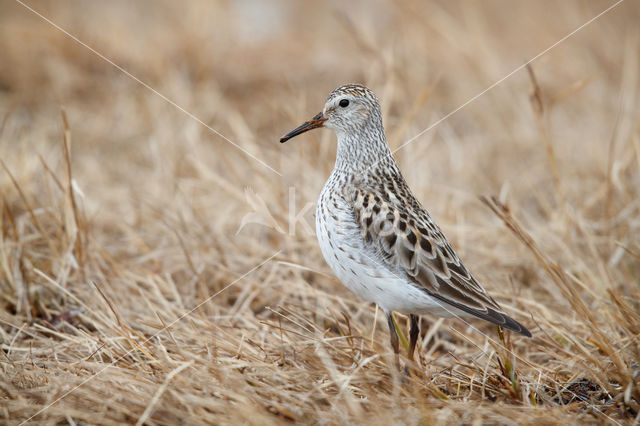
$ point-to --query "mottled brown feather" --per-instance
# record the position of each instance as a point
(402, 231)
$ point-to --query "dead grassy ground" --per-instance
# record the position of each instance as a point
(106, 244)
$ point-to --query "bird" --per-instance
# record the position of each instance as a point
(377, 237)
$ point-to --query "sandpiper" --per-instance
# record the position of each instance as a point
(376, 236)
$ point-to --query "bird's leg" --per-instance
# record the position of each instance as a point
(414, 332)
(393, 337)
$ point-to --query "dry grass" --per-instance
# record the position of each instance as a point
(120, 215)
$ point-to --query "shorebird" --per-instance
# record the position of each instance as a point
(376, 236)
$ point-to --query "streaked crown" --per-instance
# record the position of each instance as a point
(351, 107)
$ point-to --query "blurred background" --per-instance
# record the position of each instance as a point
(180, 186)
(253, 70)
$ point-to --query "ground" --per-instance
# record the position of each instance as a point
(158, 262)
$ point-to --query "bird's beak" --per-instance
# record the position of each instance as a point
(314, 123)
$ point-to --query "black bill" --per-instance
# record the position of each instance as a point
(314, 123)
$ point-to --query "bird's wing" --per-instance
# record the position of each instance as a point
(408, 240)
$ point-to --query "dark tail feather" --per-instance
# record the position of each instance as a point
(506, 321)
(491, 315)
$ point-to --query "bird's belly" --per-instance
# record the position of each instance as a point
(359, 268)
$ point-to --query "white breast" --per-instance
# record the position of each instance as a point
(358, 266)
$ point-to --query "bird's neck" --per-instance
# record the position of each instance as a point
(363, 150)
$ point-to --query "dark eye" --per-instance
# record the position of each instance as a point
(344, 103)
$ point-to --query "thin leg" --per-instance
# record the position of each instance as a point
(414, 332)
(393, 337)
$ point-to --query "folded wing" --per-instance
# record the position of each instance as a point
(409, 241)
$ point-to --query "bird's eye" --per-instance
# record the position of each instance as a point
(344, 103)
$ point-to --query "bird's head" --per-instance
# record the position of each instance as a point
(347, 110)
